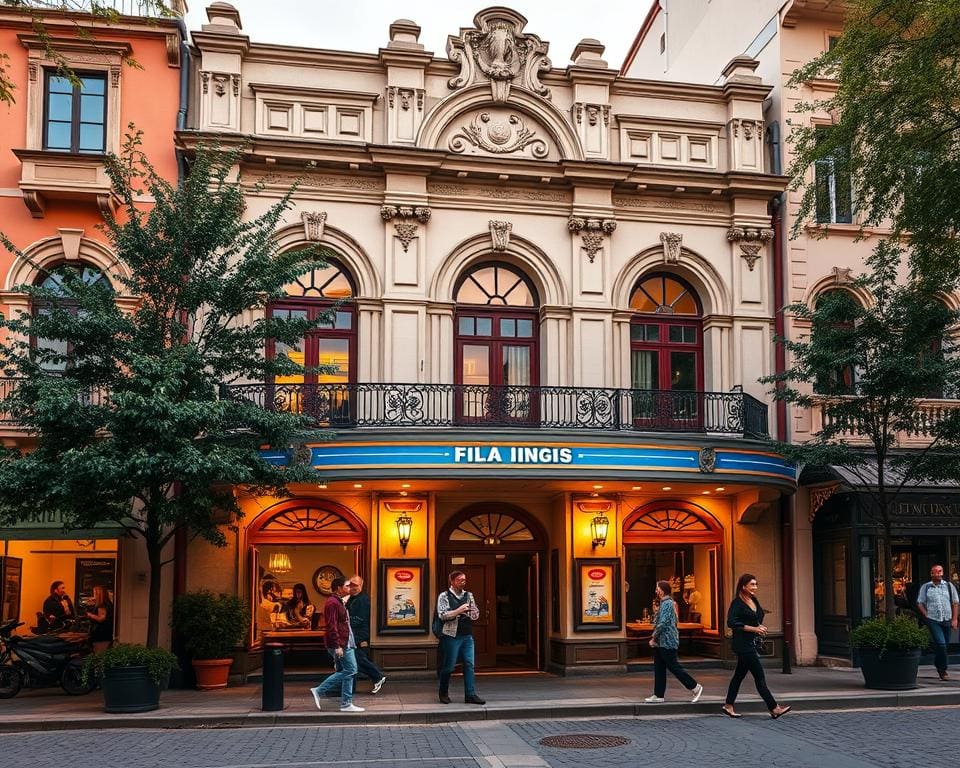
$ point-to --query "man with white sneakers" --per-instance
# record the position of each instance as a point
(342, 649)
(358, 607)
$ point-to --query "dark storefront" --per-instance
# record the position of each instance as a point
(848, 571)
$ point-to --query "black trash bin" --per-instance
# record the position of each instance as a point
(272, 694)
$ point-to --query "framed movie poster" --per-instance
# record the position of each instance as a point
(404, 605)
(596, 594)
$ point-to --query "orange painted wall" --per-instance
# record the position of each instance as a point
(149, 99)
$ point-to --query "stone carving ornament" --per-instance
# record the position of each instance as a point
(498, 136)
(672, 243)
(751, 240)
(497, 50)
(500, 235)
(591, 233)
(406, 221)
(313, 224)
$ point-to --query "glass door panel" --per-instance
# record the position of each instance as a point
(515, 404)
(475, 364)
(332, 402)
(683, 378)
(644, 375)
(290, 398)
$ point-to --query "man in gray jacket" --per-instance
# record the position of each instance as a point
(458, 610)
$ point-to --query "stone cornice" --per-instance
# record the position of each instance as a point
(214, 42)
(57, 22)
(397, 57)
(666, 90)
(315, 156)
(748, 91)
(591, 75)
(267, 53)
(77, 45)
(302, 90)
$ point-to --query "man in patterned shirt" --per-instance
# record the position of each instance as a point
(937, 602)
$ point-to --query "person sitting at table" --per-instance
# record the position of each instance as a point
(58, 608)
(269, 608)
(300, 610)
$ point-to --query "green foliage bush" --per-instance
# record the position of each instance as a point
(159, 661)
(211, 625)
(899, 634)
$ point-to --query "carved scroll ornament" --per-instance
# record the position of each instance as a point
(498, 136)
(499, 51)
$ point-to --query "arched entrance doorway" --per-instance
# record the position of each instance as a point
(681, 543)
(305, 542)
(500, 548)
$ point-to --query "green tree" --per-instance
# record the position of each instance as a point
(896, 122)
(123, 403)
(868, 368)
(104, 12)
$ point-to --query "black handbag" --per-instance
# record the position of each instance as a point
(437, 626)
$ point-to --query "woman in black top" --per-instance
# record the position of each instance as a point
(745, 618)
(102, 619)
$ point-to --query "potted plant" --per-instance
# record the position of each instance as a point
(131, 676)
(889, 652)
(210, 626)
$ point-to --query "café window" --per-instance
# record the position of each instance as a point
(75, 113)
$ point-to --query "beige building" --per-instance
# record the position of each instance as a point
(552, 301)
(832, 545)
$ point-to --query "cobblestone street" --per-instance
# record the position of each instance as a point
(886, 738)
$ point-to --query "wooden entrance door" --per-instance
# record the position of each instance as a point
(481, 570)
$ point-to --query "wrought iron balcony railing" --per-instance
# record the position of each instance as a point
(344, 406)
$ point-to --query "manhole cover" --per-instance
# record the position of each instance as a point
(584, 741)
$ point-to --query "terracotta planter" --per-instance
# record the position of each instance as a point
(211, 673)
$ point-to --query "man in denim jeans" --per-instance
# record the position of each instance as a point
(341, 647)
(937, 602)
(457, 610)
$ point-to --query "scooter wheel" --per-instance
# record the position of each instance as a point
(10, 681)
(72, 680)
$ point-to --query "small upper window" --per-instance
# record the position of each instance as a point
(832, 41)
(76, 113)
(663, 294)
(496, 284)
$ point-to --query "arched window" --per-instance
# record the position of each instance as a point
(666, 349)
(837, 311)
(334, 343)
(497, 332)
(54, 280)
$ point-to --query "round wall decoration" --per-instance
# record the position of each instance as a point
(323, 576)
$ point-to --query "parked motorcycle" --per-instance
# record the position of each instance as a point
(36, 662)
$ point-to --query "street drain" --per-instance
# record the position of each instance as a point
(583, 741)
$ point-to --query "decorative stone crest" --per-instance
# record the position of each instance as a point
(405, 97)
(751, 240)
(750, 127)
(407, 218)
(594, 113)
(842, 276)
(498, 136)
(591, 233)
(313, 224)
(220, 84)
(500, 235)
(499, 51)
(707, 458)
(672, 243)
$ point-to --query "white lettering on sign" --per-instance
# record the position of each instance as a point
(514, 454)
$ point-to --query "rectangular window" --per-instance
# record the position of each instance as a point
(76, 113)
(834, 194)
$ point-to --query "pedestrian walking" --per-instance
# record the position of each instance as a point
(665, 643)
(358, 607)
(458, 610)
(341, 646)
(937, 602)
(745, 618)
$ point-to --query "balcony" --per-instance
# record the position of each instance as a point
(930, 414)
(382, 405)
(144, 8)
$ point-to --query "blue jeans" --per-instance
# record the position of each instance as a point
(345, 673)
(940, 633)
(458, 648)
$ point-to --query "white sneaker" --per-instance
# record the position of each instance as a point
(379, 684)
(654, 700)
(352, 708)
(316, 697)
(697, 693)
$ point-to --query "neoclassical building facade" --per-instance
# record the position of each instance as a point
(547, 307)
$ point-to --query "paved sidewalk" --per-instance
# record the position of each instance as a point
(535, 696)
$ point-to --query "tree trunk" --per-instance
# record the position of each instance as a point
(155, 559)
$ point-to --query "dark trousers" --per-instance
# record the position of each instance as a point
(940, 634)
(664, 659)
(365, 665)
(750, 662)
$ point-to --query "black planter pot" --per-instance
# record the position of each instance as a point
(891, 671)
(129, 689)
